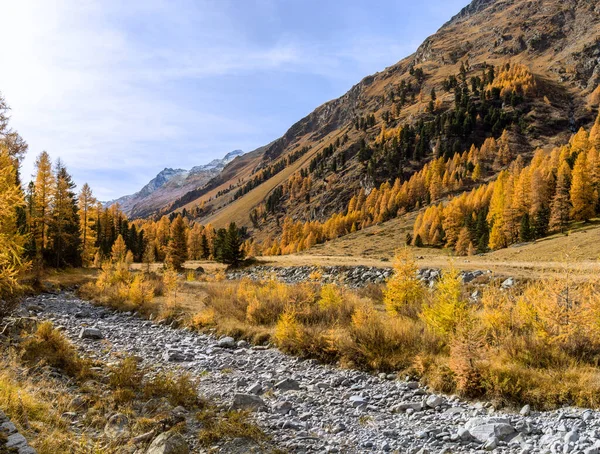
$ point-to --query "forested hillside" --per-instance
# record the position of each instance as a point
(502, 77)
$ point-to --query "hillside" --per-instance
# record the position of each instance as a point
(170, 184)
(313, 170)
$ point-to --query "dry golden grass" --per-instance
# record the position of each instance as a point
(217, 426)
(47, 346)
(36, 399)
(508, 346)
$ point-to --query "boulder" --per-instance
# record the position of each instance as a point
(283, 408)
(255, 389)
(403, 406)
(247, 402)
(226, 342)
(482, 429)
(174, 356)
(168, 443)
(90, 333)
(434, 401)
(16, 440)
(287, 384)
(508, 283)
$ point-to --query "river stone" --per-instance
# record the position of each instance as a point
(15, 441)
(90, 333)
(434, 401)
(247, 402)
(287, 384)
(482, 429)
(226, 342)
(169, 443)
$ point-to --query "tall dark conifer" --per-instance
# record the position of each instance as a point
(65, 240)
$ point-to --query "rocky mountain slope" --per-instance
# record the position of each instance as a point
(169, 184)
(336, 147)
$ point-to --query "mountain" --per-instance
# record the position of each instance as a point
(169, 184)
(530, 67)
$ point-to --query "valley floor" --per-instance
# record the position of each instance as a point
(576, 253)
(307, 407)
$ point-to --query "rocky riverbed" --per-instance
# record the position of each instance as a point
(312, 408)
(352, 276)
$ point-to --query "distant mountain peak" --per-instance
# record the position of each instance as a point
(173, 180)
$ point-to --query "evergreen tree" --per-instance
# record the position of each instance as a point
(541, 222)
(177, 248)
(219, 244)
(64, 231)
(204, 247)
(525, 231)
(233, 253)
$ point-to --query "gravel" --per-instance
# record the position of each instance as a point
(311, 408)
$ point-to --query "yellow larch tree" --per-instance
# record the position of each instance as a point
(44, 188)
(583, 197)
(87, 217)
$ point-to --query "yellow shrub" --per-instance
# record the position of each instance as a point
(562, 313)
(265, 302)
(204, 318)
(180, 389)
(331, 297)
(125, 375)
(381, 342)
(140, 291)
(466, 351)
(229, 425)
(498, 313)
(448, 308)
(289, 333)
(404, 293)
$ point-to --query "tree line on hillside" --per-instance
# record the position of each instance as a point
(64, 228)
(485, 103)
(522, 204)
(47, 223)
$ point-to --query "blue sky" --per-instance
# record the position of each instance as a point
(121, 89)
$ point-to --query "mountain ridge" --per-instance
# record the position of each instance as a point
(170, 183)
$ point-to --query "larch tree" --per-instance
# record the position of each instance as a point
(583, 197)
(11, 240)
(195, 242)
(119, 250)
(87, 214)
(464, 242)
(595, 134)
(560, 207)
(44, 191)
